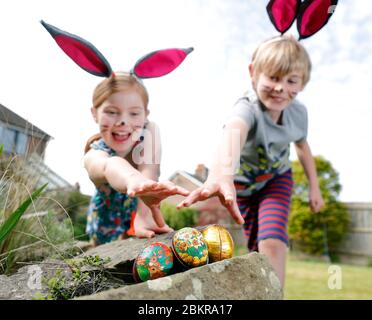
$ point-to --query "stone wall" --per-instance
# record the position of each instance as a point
(245, 277)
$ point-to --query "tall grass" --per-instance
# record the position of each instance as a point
(9, 224)
(44, 225)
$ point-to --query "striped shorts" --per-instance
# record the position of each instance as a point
(266, 211)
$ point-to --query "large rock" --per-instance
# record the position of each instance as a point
(27, 282)
(243, 277)
(248, 277)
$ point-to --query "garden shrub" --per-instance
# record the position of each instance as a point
(179, 218)
(317, 233)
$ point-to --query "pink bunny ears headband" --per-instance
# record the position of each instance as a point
(311, 15)
(87, 56)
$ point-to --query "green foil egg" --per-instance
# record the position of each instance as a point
(190, 247)
(154, 261)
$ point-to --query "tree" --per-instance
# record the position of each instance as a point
(317, 233)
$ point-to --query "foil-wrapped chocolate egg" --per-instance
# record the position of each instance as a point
(219, 241)
(154, 261)
(190, 247)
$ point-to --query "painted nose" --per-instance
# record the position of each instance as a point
(278, 88)
(121, 123)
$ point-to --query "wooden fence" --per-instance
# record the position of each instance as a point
(357, 245)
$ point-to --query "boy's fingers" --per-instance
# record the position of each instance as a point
(228, 197)
(206, 193)
(235, 212)
(191, 198)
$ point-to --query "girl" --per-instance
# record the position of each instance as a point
(123, 160)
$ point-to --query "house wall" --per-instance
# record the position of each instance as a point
(36, 145)
(184, 183)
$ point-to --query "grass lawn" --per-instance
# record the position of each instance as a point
(308, 280)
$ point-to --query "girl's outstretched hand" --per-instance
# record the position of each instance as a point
(152, 193)
(145, 226)
(224, 190)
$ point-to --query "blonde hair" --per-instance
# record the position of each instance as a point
(121, 81)
(280, 56)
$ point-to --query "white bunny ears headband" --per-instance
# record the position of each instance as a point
(87, 56)
(311, 15)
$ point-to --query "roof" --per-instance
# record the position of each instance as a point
(188, 176)
(47, 175)
(33, 166)
(14, 120)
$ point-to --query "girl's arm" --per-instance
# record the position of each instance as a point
(116, 171)
(307, 161)
(220, 181)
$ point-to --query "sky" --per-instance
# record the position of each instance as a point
(41, 84)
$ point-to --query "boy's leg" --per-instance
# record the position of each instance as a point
(248, 207)
(276, 251)
(275, 199)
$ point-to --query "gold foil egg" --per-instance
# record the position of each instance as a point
(190, 247)
(219, 241)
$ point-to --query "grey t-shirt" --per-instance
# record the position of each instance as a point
(265, 153)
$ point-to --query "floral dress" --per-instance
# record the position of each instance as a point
(110, 212)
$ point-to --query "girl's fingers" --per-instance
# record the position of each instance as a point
(171, 188)
(144, 188)
(182, 191)
(164, 229)
(158, 217)
(144, 233)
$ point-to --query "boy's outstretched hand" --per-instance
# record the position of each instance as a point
(152, 193)
(225, 191)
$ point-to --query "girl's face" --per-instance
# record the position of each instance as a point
(121, 119)
(276, 93)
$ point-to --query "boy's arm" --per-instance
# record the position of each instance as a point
(220, 181)
(307, 161)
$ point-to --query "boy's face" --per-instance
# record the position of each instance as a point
(276, 93)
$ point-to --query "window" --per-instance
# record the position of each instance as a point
(13, 140)
(8, 139)
(21, 143)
